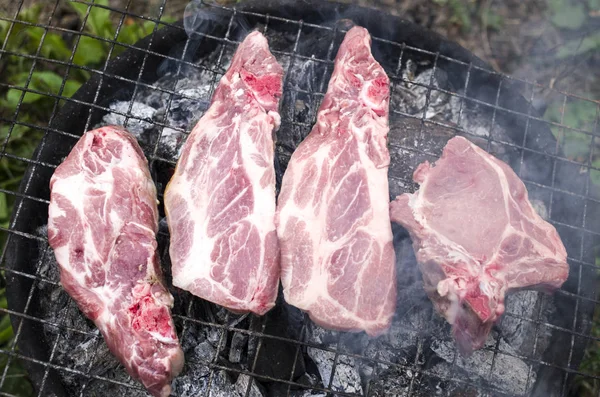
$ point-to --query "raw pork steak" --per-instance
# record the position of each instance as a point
(476, 237)
(102, 224)
(221, 201)
(337, 257)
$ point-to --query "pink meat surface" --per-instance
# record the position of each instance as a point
(476, 237)
(221, 200)
(337, 257)
(102, 225)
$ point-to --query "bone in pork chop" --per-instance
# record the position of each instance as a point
(476, 237)
(337, 257)
(102, 225)
(220, 202)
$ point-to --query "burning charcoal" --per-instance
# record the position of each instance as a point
(509, 373)
(48, 268)
(392, 379)
(188, 106)
(205, 351)
(170, 142)
(320, 335)
(308, 380)
(346, 377)
(410, 95)
(238, 342)
(194, 382)
(138, 111)
(521, 334)
(241, 386)
(307, 393)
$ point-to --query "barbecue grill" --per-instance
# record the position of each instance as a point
(161, 85)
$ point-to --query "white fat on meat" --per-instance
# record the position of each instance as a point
(102, 223)
(337, 256)
(220, 202)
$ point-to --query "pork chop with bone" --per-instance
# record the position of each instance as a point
(476, 237)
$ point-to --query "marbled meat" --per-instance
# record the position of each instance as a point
(102, 225)
(220, 202)
(476, 237)
(337, 256)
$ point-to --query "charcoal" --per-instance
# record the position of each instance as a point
(308, 393)
(277, 358)
(308, 380)
(241, 386)
(238, 342)
(346, 377)
(392, 379)
(510, 374)
(142, 116)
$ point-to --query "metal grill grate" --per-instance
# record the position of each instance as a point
(583, 230)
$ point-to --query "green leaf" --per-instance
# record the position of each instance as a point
(17, 383)
(3, 206)
(3, 28)
(31, 14)
(55, 47)
(6, 333)
(71, 87)
(46, 81)
(89, 52)
(98, 20)
(579, 46)
(80, 8)
(171, 19)
(566, 14)
(132, 32)
(43, 81)
(578, 114)
(494, 21)
(461, 14)
(14, 95)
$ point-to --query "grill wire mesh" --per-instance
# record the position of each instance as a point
(579, 261)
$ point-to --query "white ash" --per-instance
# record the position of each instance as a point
(307, 393)
(241, 386)
(346, 377)
(394, 382)
(165, 116)
(141, 116)
(409, 96)
(509, 373)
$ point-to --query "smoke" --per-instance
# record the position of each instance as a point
(198, 19)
